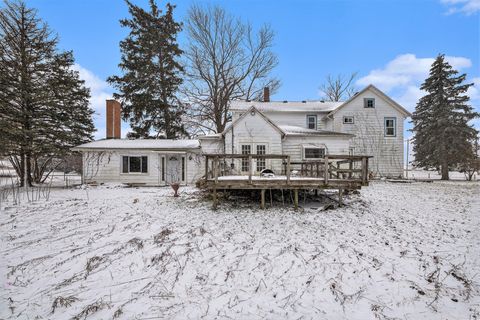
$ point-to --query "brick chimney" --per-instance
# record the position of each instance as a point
(266, 94)
(113, 119)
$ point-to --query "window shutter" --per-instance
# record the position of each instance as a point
(144, 164)
(124, 164)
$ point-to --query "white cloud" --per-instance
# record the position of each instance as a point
(99, 89)
(99, 92)
(405, 70)
(467, 7)
(401, 78)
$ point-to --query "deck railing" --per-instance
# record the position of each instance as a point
(338, 167)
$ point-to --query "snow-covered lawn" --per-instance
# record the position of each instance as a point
(396, 251)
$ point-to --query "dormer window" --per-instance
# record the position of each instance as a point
(312, 122)
(369, 102)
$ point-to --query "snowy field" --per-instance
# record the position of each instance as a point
(396, 251)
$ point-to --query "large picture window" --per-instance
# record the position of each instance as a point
(134, 164)
(311, 153)
(390, 127)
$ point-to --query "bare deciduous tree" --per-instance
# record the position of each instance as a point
(226, 60)
(339, 88)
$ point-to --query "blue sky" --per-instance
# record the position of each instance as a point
(389, 43)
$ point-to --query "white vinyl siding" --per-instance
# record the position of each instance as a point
(369, 131)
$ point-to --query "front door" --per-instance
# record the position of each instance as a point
(175, 168)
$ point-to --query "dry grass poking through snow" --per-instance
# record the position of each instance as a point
(397, 251)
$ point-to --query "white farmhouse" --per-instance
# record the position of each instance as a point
(370, 123)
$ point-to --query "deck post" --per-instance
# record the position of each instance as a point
(326, 169)
(340, 199)
(364, 170)
(215, 169)
(288, 170)
(350, 167)
(295, 198)
(262, 199)
(206, 167)
(250, 169)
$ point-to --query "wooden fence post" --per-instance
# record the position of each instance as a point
(326, 169)
(288, 170)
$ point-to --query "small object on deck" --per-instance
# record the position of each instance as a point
(267, 173)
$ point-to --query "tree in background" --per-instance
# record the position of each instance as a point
(151, 73)
(44, 108)
(443, 137)
(339, 88)
(226, 60)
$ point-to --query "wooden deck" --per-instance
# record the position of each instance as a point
(342, 172)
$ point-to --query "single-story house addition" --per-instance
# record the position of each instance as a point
(370, 123)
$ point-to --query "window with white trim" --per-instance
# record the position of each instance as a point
(369, 102)
(246, 149)
(261, 163)
(348, 120)
(312, 122)
(134, 164)
(311, 153)
(390, 127)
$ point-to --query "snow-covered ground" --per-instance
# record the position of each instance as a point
(396, 251)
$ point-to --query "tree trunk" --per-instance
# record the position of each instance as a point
(445, 171)
(28, 167)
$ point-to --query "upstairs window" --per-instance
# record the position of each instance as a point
(134, 164)
(348, 120)
(369, 102)
(312, 122)
(390, 127)
(312, 153)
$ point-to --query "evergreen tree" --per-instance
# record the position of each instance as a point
(151, 73)
(44, 109)
(443, 137)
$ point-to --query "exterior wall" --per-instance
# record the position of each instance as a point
(106, 167)
(253, 130)
(298, 119)
(370, 139)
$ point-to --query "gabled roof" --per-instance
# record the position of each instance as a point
(285, 106)
(267, 119)
(378, 92)
(150, 144)
(299, 131)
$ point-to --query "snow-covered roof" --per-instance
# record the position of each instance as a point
(140, 144)
(294, 130)
(285, 106)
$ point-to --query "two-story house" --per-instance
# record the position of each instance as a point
(369, 123)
